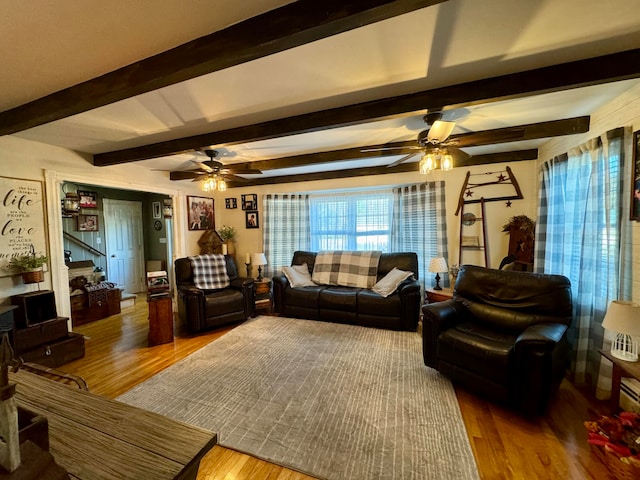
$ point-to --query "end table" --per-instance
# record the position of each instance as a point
(263, 298)
(433, 296)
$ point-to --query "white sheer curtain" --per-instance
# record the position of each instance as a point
(420, 225)
(285, 230)
(578, 235)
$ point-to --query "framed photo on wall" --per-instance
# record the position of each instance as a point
(635, 179)
(231, 203)
(88, 199)
(250, 202)
(87, 223)
(201, 216)
(157, 212)
(252, 219)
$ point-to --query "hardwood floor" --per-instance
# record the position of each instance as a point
(505, 445)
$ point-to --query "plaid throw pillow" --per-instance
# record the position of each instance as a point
(347, 269)
(209, 271)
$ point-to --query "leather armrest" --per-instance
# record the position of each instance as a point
(542, 335)
(408, 286)
(240, 283)
(190, 290)
(438, 317)
(280, 283)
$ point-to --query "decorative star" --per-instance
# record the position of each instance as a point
(508, 203)
(469, 193)
(501, 178)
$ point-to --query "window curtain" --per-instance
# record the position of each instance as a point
(285, 229)
(420, 225)
(578, 235)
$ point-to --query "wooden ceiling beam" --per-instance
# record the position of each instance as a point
(515, 156)
(283, 28)
(580, 73)
(532, 131)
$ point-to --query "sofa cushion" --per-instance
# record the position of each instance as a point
(346, 268)
(303, 297)
(481, 350)
(370, 303)
(223, 302)
(298, 275)
(209, 271)
(391, 282)
(339, 298)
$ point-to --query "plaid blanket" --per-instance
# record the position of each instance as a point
(347, 269)
(209, 271)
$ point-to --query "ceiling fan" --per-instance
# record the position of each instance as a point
(213, 174)
(433, 143)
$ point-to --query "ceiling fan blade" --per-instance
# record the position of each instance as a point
(185, 175)
(440, 131)
(235, 178)
(458, 155)
(402, 159)
(380, 149)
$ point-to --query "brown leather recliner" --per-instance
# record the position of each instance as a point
(502, 335)
(204, 309)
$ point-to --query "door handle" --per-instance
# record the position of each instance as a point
(113, 256)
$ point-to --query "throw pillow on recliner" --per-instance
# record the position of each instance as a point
(391, 281)
(298, 276)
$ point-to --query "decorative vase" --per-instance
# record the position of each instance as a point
(33, 276)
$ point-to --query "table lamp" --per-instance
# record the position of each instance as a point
(259, 259)
(624, 319)
(438, 265)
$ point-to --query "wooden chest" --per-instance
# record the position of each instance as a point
(46, 332)
(84, 310)
(58, 352)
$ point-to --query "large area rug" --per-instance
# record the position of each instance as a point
(334, 401)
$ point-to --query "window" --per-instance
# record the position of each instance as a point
(359, 221)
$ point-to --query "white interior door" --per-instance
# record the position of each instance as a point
(123, 227)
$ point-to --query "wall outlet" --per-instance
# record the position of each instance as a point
(98, 240)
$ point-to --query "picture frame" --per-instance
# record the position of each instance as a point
(88, 199)
(634, 211)
(251, 219)
(157, 210)
(250, 201)
(200, 213)
(88, 223)
(231, 203)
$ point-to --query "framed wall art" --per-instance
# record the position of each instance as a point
(231, 203)
(87, 223)
(250, 202)
(635, 179)
(22, 214)
(252, 219)
(201, 216)
(88, 199)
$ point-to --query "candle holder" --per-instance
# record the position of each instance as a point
(248, 270)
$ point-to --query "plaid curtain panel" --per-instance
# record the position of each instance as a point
(420, 225)
(578, 235)
(285, 229)
(347, 269)
(209, 271)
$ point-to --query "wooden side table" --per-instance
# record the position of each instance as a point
(160, 320)
(620, 369)
(263, 297)
(433, 296)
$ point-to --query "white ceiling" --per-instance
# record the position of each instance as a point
(57, 44)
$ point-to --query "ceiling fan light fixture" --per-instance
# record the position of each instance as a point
(446, 162)
(222, 185)
(428, 163)
(209, 184)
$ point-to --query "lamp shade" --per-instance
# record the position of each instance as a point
(623, 317)
(258, 259)
(438, 264)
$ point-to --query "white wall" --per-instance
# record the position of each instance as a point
(621, 112)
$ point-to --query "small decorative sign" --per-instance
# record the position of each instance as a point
(250, 202)
(21, 220)
(88, 199)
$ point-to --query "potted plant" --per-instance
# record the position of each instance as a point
(226, 233)
(29, 265)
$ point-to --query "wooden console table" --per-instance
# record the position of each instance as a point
(93, 437)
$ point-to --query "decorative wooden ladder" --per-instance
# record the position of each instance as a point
(469, 219)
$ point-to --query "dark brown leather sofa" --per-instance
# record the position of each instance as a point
(205, 309)
(502, 335)
(357, 306)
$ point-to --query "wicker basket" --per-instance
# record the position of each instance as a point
(617, 467)
(34, 276)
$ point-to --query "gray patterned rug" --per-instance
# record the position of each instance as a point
(333, 401)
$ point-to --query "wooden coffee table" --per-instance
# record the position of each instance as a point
(621, 369)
